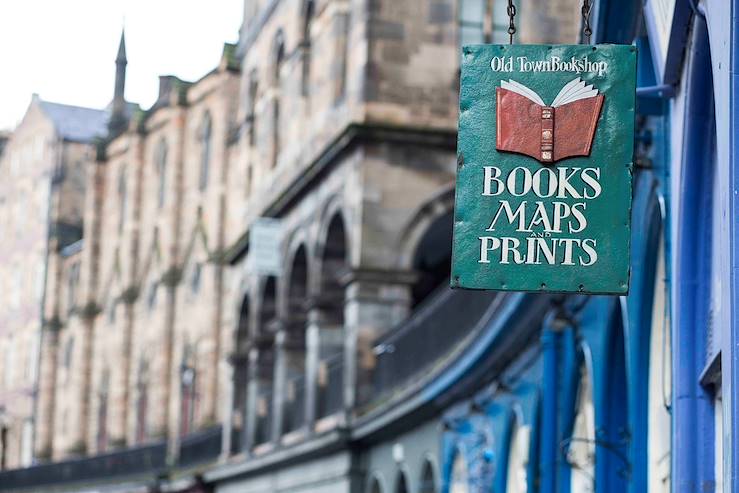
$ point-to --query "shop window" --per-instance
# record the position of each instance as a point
(581, 451)
(660, 385)
(718, 451)
(518, 460)
(459, 481)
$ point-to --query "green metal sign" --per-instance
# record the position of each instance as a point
(543, 200)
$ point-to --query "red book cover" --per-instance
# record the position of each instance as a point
(525, 125)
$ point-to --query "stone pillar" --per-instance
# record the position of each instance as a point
(279, 380)
(46, 391)
(376, 301)
(312, 358)
(250, 406)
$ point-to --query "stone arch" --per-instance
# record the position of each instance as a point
(332, 262)
(264, 342)
(240, 360)
(438, 205)
(295, 340)
(375, 484)
(426, 245)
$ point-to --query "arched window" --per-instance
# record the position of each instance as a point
(428, 481)
(375, 486)
(297, 292)
(102, 431)
(205, 140)
(401, 483)
(122, 198)
(433, 257)
(240, 362)
(334, 262)
(142, 402)
(252, 105)
(160, 158)
(265, 362)
(69, 353)
(188, 391)
(279, 58)
(195, 279)
(152, 298)
(308, 12)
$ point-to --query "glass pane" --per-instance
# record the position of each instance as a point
(470, 35)
(459, 482)
(472, 11)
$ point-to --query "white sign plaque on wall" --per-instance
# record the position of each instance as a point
(265, 247)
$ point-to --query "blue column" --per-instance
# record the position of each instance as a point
(732, 372)
(549, 435)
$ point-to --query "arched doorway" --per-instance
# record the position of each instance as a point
(334, 263)
(375, 486)
(428, 480)
(297, 292)
(432, 258)
(401, 483)
(265, 344)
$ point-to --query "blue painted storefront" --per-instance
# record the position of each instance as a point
(682, 305)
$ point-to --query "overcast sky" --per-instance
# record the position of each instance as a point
(64, 50)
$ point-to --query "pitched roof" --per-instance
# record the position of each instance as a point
(76, 123)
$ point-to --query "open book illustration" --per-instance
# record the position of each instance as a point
(565, 128)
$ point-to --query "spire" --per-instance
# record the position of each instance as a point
(121, 58)
(118, 114)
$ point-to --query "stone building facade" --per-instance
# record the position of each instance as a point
(43, 170)
(336, 117)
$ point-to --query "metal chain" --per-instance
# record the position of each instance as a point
(511, 25)
(587, 31)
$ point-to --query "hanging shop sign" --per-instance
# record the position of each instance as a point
(543, 199)
(265, 242)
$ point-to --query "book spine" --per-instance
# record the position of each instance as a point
(547, 134)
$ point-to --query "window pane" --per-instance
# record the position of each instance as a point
(472, 11)
(470, 35)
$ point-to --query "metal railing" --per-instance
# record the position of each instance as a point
(136, 461)
(331, 386)
(263, 424)
(293, 416)
(200, 447)
(435, 328)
